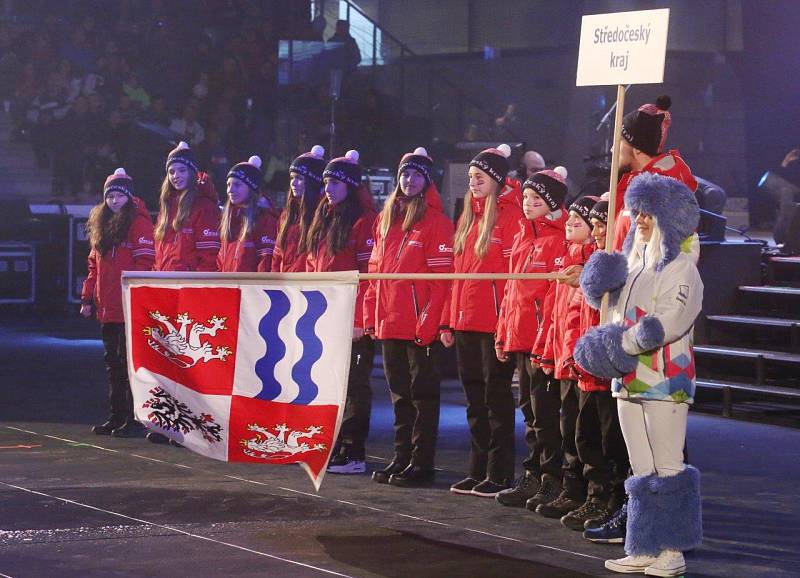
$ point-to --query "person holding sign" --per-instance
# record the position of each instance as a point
(644, 132)
(656, 294)
(483, 241)
(412, 235)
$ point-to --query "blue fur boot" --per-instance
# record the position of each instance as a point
(664, 513)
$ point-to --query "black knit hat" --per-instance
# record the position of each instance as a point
(493, 162)
(310, 164)
(583, 207)
(249, 173)
(120, 181)
(550, 185)
(600, 211)
(184, 155)
(418, 160)
(646, 128)
(345, 169)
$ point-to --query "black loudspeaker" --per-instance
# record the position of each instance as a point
(787, 228)
(16, 218)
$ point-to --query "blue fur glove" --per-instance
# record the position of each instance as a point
(600, 352)
(648, 333)
(603, 273)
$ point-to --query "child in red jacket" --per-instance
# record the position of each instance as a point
(539, 247)
(305, 188)
(187, 228)
(482, 244)
(601, 447)
(340, 239)
(412, 235)
(121, 239)
(246, 232)
(562, 336)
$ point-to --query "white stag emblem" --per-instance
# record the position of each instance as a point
(282, 443)
(183, 345)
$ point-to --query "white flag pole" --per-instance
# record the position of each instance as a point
(612, 187)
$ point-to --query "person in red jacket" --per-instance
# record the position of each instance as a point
(539, 247)
(246, 232)
(121, 239)
(305, 188)
(412, 235)
(187, 228)
(644, 133)
(598, 437)
(562, 336)
(340, 239)
(482, 244)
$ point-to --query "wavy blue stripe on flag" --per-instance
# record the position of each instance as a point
(312, 347)
(276, 349)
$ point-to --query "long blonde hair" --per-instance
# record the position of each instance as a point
(107, 229)
(249, 216)
(185, 204)
(485, 226)
(415, 211)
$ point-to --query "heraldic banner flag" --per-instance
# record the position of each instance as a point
(242, 367)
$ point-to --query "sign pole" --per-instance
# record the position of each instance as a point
(612, 187)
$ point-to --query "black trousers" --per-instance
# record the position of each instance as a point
(540, 402)
(120, 400)
(572, 469)
(601, 446)
(354, 430)
(490, 406)
(414, 384)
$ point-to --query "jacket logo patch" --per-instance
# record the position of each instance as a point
(445, 249)
(210, 233)
(143, 241)
(559, 261)
(370, 242)
(683, 294)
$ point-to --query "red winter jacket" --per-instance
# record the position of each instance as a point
(103, 285)
(197, 245)
(566, 315)
(589, 318)
(539, 247)
(475, 305)
(355, 256)
(255, 252)
(669, 164)
(410, 310)
(288, 259)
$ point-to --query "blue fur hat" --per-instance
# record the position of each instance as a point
(672, 204)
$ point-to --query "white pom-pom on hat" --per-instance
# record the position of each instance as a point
(420, 151)
(120, 172)
(504, 150)
(561, 171)
(183, 145)
(604, 196)
(255, 160)
(352, 155)
(318, 151)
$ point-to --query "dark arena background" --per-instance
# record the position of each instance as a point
(91, 85)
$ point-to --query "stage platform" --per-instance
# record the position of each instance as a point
(76, 504)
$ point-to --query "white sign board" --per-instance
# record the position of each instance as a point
(623, 48)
